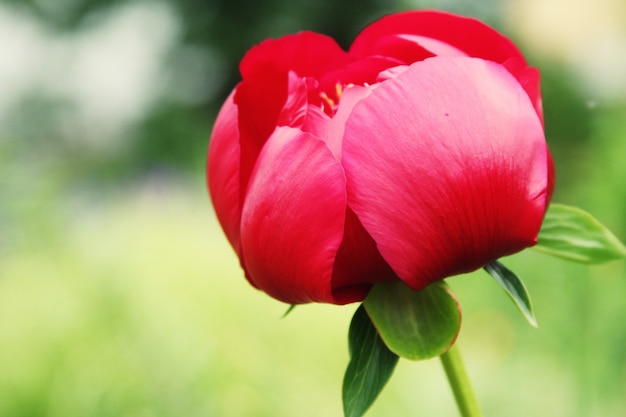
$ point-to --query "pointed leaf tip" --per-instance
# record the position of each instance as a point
(289, 310)
(573, 234)
(371, 365)
(514, 287)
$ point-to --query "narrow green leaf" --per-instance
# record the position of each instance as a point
(414, 324)
(371, 365)
(514, 287)
(573, 234)
(289, 310)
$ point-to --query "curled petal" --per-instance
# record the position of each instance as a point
(453, 173)
(293, 218)
(294, 110)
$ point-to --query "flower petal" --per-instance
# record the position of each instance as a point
(308, 54)
(293, 218)
(447, 168)
(267, 86)
(467, 34)
(401, 48)
(363, 71)
(529, 79)
(446, 34)
(223, 171)
(358, 264)
(331, 130)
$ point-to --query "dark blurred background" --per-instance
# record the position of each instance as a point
(119, 295)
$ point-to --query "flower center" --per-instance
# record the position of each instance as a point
(329, 101)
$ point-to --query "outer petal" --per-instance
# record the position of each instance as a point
(293, 218)
(529, 79)
(223, 172)
(447, 168)
(308, 54)
(469, 35)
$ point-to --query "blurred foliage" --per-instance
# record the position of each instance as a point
(119, 296)
(174, 133)
(225, 28)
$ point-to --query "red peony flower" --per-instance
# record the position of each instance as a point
(416, 155)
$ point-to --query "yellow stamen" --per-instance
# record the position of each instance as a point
(327, 100)
(339, 90)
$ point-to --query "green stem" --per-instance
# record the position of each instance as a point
(461, 387)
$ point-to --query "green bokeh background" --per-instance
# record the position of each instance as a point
(119, 295)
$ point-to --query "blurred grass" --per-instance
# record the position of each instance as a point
(128, 301)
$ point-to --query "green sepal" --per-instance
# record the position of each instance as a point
(415, 325)
(514, 287)
(573, 234)
(371, 365)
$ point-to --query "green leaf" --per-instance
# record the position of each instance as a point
(573, 234)
(514, 287)
(414, 324)
(289, 310)
(371, 365)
